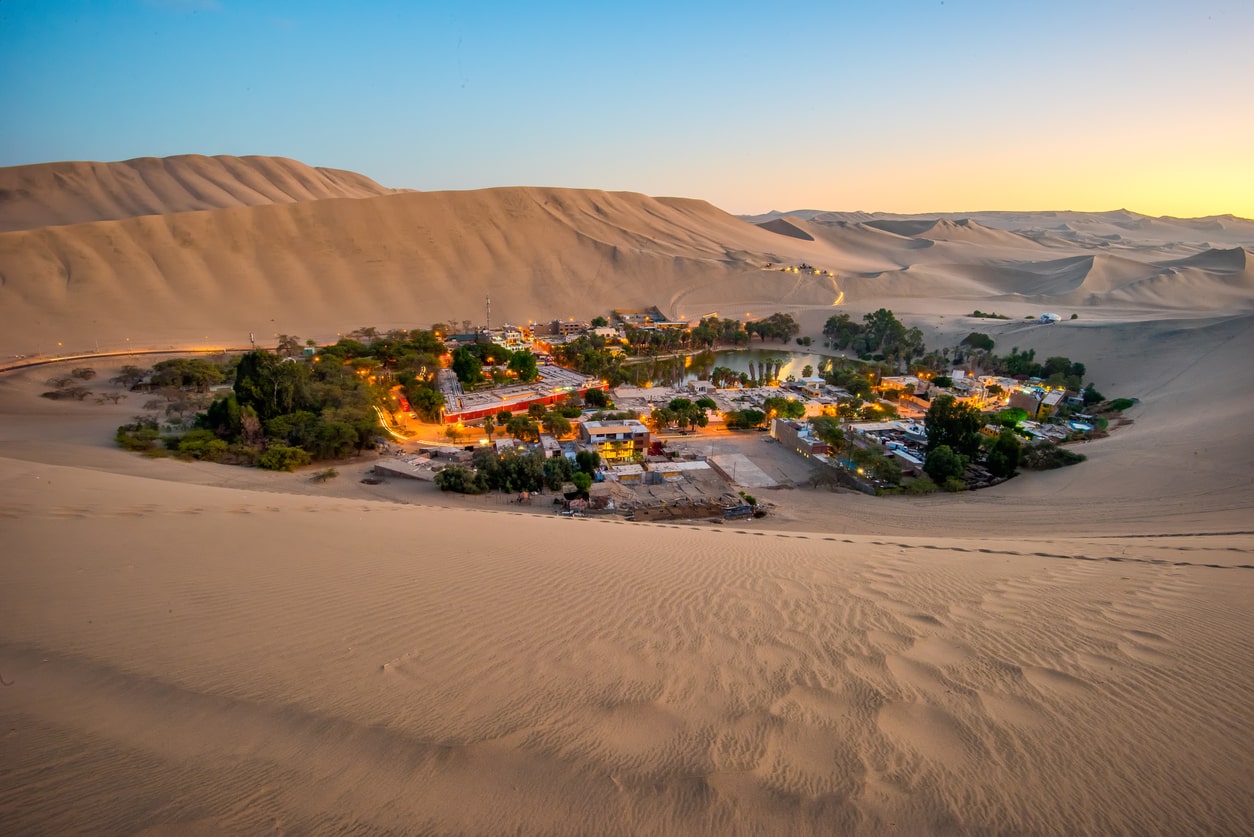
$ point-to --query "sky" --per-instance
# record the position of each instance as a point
(875, 105)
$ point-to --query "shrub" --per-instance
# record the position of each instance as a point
(1048, 456)
(135, 437)
(202, 444)
(1004, 456)
(943, 464)
(283, 458)
(460, 479)
(323, 476)
(954, 485)
(923, 485)
(77, 393)
(1121, 404)
(84, 373)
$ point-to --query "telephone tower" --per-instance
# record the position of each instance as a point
(487, 301)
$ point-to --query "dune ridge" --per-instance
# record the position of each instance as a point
(53, 194)
(318, 250)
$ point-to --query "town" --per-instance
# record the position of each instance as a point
(562, 408)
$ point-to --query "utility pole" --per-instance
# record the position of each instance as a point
(487, 301)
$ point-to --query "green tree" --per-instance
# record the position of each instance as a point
(223, 417)
(289, 345)
(283, 458)
(489, 426)
(944, 463)
(269, 385)
(558, 471)
(952, 424)
(978, 340)
(784, 407)
(588, 461)
(523, 364)
(426, 401)
(556, 424)
(466, 365)
(582, 481)
(828, 430)
(202, 444)
(596, 398)
(128, 376)
(1003, 458)
(599, 322)
(523, 428)
(459, 479)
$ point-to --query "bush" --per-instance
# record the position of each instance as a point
(283, 458)
(943, 464)
(1121, 404)
(1048, 456)
(137, 437)
(1004, 456)
(460, 479)
(77, 393)
(203, 445)
(954, 485)
(923, 485)
(323, 476)
(84, 373)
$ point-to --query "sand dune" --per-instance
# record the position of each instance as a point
(196, 648)
(403, 260)
(309, 262)
(71, 193)
(785, 227)
(683, 681)
(962, 229)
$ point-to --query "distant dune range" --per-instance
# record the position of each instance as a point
(195, 249)
(197, 648)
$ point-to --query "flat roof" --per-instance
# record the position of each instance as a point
(554, 380)
(624, 426)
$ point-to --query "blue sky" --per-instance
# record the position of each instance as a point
(892, 106)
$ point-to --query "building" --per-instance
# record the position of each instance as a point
(551, 447)
(797, 436)
(555, 385)
(1037, 403)
(616, 441)
(567, 328)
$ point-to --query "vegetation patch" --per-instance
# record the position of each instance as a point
(1048, 456)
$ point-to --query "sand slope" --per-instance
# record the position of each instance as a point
(314, 252)
(380, 667)
(70, 193)
(404, 260)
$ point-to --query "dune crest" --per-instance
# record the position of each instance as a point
(51, 194)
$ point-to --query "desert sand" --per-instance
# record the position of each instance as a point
(196, 648)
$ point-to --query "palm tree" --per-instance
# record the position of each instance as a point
(489, 426)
